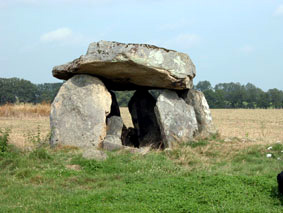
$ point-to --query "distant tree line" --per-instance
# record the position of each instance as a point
(223, 95)
(15, 90)
(235, 95)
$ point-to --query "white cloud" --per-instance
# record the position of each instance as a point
(279, 11)
(63, 35)
(183, 41)
(247, 49)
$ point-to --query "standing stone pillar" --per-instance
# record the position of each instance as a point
(197, 100)
(78, 112)
(177, 120)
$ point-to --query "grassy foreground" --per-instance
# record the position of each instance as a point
(60, 180)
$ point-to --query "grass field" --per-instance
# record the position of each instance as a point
(226, 173)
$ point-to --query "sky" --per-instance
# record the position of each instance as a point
(228, 40)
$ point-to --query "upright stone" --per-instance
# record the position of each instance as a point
(115, 126)
(177, 120)
(78, 113)
(141, 107)
(113, 139)
(197, 100)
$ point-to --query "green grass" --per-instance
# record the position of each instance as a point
(39, 181)
(4, 135)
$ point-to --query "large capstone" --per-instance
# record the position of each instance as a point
(132, 66)
(141, 107)
(78, 113)
(177, 119)
(197, 100)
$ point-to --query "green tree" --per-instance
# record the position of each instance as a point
(275, 98)
(47, 91)
(13, 89)
(203, 86)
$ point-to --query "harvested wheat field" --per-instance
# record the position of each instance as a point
(252, 124)
(26, 121)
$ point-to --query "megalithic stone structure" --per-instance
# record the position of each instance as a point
(82, 108)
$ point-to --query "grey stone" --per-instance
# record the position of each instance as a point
(112, 146)
(129, 66)
(115, 126)
(177, 120)
(197, 100)
(141, 107)
(93, 154)
(78, 112)
(114, 139)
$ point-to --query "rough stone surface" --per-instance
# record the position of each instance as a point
(141, 107)
(114, 139)
(115, 126)
(93, 154)
(78, 113)
(197, 100)
(129, 66)
(112, 146)
(176, 119)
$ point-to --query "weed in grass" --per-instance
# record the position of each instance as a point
(24, 173)
(40, 153)
(36, 139)
(40, 144)
(263, 129)
(87, 165)
(194, 144)
(4, 136)
(247, 135)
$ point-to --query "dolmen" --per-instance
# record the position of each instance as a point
(165, 109)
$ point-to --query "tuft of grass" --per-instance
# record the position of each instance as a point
(40, 153)
(201, 142)
(4, 135)
(37, 139)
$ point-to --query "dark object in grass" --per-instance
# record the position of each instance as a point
(280, 182)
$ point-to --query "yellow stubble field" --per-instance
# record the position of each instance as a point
(247, 125)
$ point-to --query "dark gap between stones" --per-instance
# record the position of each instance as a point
(146, 130)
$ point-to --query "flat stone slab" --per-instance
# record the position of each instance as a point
(131, 66)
